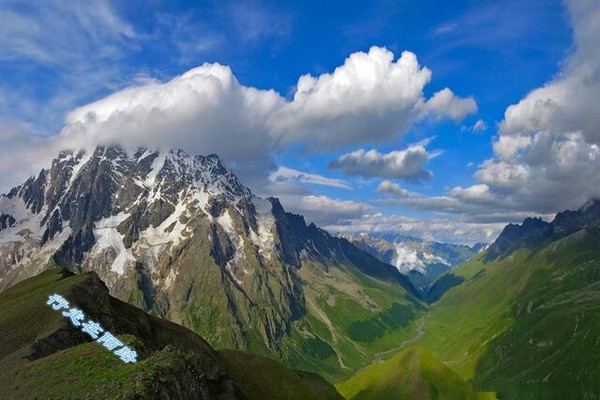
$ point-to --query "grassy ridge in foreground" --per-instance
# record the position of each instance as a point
(274, 381)
(43, 356)
(410, 374)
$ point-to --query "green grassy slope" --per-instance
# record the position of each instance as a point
(43, 356)
(554, 341)
(525, 323)
(469, 315)
(525, 326)
(276, 381)
(409, 374)
(350, 317)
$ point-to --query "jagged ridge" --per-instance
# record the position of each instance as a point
(181, 237)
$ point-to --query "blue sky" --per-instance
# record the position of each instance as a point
(60, 56)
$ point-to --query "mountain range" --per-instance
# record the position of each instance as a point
(181, 237)
(227, 295)
(422, 261)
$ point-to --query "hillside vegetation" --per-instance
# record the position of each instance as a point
(43, 356)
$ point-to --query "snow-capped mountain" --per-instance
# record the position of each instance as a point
(182, 237)
(117, 206)
(422, 261)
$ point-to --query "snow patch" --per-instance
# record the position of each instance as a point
(155, 168)
(413, 259)
(87, 155)
(230, 271)
(28, 224)
(264, 240)
(107, 236)
(170, 279)
(160, 235)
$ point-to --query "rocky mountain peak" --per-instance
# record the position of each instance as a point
(534, 230)
(67, 208)
(182, 237)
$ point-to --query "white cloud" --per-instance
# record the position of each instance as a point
(476, 204)
(252, 21)
(324, 211)
(391, 188)
(53, 31)
(479, 126)
(546, 157)
(55, 55)
(444, 230)
(203, 111)
(340, 216)
(445, 104)
(370, 97)
(405, 164)
(444, 28)
(284, 174)
(206, 110)
(23, 152)
(547, 152)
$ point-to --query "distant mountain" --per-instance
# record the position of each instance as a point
(422, 261)
(534, 231)
(44, 356)
(181, 237)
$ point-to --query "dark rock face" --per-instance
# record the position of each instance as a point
(7, 221)
(568, 221)
(514, 236)
(534, 231)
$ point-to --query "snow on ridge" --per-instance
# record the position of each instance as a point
(27, 224)
(170, 279)
(231, 273)
(155, 168)
(415, 259)
(226, 222)
(155, 236)
(107, 236)
(264, 239)
(84, 156)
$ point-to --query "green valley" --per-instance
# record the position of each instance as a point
(523, 322)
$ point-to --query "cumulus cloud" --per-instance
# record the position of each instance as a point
(546, 156)
(370, 97)
(284, 174)
(547, 152)
(206, 110)
(445, 104)
(391, 188)
(405, 164)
